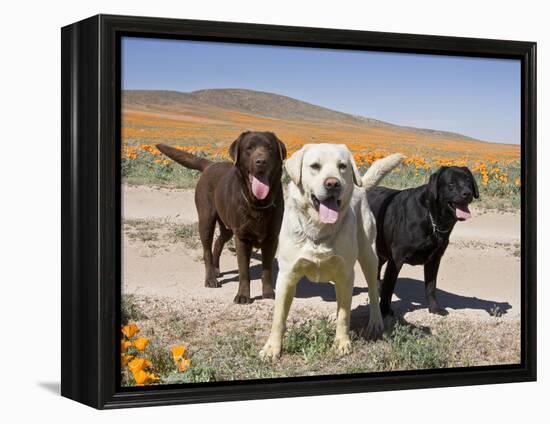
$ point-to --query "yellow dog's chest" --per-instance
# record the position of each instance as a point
(322, 269)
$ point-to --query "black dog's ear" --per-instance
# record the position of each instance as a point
(434, 181)
(474, 183)
(234, 148)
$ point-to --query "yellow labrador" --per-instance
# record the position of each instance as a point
(327, 226)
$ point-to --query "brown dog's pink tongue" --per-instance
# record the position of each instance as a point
(328, 211)
(462, 212)
(260, 186)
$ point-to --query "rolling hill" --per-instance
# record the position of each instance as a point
(215, 117)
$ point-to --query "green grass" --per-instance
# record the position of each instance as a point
(312, 340)
(185, 233)
(411, 348)
(143, 170)
(130, 311)
(147, 169)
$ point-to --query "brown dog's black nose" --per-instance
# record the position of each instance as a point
(261, 162)
(332, 184)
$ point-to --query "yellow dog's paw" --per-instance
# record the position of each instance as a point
(271, 351)
(343, 346)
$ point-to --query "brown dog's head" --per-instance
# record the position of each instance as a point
(259, 158)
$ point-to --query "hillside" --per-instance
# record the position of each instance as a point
(215, 117)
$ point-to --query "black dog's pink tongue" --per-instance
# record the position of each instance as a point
(260, 186)
(462, 212)
(328, 211)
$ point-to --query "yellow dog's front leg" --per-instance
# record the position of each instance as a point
(344, 293)
(285, 291)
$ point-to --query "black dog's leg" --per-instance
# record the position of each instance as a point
(243, 258)
(430, 280)
(269, 247)
(388, 286)
(225, 235)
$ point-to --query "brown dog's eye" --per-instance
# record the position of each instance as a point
(315, 166)
(342, 166)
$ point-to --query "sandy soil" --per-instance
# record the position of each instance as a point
(480, 273)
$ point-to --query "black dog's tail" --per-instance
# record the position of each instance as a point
(183, 158)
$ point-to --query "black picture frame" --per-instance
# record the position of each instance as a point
(90, 285)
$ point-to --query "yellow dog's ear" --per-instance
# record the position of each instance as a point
(293, 166)
(356, 176)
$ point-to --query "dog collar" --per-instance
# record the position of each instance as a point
(434, 226)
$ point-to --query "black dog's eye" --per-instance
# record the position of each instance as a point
(342, 166)
(451, 185)
(315, 166)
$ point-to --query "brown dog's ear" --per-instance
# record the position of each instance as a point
(282, 148)
(434, 180)
(234, 148)
(293, 166)
(474, 183)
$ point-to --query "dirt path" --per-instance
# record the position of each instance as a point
(479, 275)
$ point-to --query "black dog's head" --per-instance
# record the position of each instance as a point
(259, 157)
(453, 188)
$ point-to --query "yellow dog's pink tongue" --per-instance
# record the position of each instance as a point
(260, 187)
(328, 211)
(462, 212)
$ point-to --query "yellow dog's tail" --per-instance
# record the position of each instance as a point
(380, 169)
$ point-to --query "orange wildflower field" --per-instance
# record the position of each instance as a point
(209, 132)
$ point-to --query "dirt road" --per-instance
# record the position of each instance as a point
(479, 275)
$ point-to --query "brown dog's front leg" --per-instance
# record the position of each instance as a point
(243, 257)
(268, 253)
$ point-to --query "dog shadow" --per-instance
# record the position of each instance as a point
(410, 292)
(412, 297)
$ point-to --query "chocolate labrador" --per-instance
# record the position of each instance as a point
(414, 225)
(245, 198)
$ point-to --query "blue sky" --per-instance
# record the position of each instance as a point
(476, 97)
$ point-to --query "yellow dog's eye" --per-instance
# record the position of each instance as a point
(342, 166)
(315, 166)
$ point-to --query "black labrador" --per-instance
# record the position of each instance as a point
(414, 225)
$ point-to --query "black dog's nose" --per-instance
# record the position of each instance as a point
(466, 193)
(332, 184)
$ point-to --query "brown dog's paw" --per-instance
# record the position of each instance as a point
(212, 283)
(242, 299)
(217, 272)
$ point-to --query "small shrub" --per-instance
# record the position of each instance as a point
(130, 311)
(311, 339)
(413, 349)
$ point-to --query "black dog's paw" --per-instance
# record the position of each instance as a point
(268, 295)
(212, 283)
(388, 313)
(438, 310)
(242, 299)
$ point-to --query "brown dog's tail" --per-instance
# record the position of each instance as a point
(183, 158)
